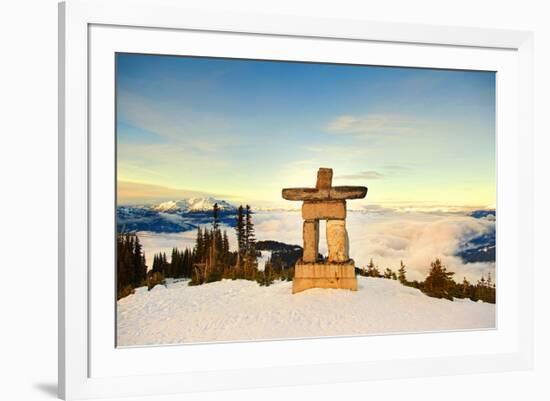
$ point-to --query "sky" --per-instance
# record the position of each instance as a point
(242, 130)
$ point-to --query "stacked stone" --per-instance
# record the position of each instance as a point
(334, 211)
(324, 202)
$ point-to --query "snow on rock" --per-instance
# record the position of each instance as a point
(242, 310)
(171, 206)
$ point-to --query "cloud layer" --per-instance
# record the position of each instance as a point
(387, 237)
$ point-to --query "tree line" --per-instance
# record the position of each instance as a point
(210, 259)
(131, 267)
(439, 282)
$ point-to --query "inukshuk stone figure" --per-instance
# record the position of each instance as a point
(325, 202)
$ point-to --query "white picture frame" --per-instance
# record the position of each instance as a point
(90, 366)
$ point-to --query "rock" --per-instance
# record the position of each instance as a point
(337, 241)
(328, 203)
(311, 240)
(324, 210)
(324, 275)
(324, 178)
(334, 193)
(348, 192)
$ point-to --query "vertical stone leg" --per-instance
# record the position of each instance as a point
(337, 241)
(311, 241)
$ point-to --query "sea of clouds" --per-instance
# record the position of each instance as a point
(386, 236)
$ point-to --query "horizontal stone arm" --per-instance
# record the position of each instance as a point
(334, 193)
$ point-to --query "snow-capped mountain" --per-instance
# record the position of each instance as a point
(173, 216)
(192, 205)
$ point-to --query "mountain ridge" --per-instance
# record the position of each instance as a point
(195, 204)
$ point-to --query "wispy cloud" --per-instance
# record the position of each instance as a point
(363, 175)
(374, 125)
(175, 123)
(397, 168)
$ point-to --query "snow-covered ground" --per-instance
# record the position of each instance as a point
(242, 310)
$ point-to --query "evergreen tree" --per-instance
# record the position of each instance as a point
(155, 267)
(187, 263)
(225, 249)
(216, 217)
(131, 267)
(250, 237)
(199, 245)
(465, 288)
(485, 290)
(139, 263)
(240, 231)
(219, 248)
(174, 264)
(402, 273)
(388, 273)
(481, 289)
(266, 277)
(372, 270)
(439, 282)
(251, 263)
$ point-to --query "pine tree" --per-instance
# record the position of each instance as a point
(481, 289)
(225, 248)
(131, 267)
(124, 267)
(174, 264)
(439, 282)
(186, 263)
(155, 267)
(250, 238)
(219, 248)
(388, 273)
(140, 264)
(402, 273)
(465, 288)
(251, 263)
(199, 245)
(491, 290)
(240, 231)
(216, 217)
(371, 269)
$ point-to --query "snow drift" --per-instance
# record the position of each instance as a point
(242, 311)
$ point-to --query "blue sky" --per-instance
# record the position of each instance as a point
(244, 129)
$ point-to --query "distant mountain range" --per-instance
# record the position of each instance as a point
(192, 205)
(173, 216)
(483, 247)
